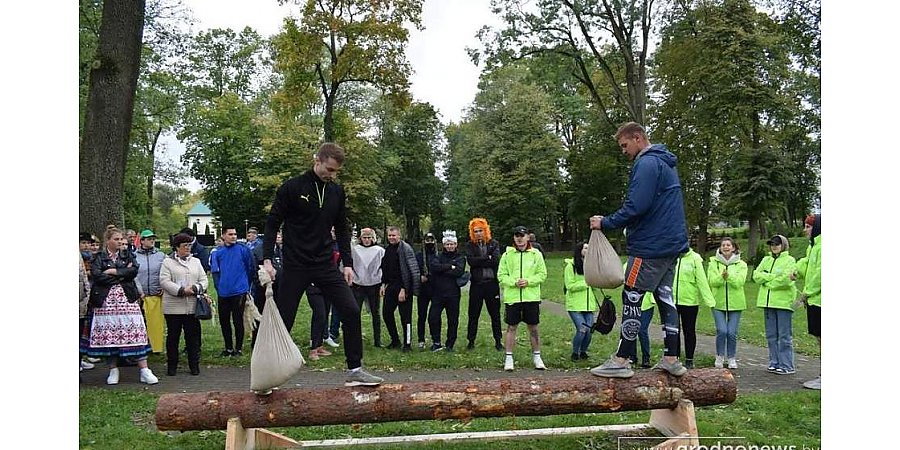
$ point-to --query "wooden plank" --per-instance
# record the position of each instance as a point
(235, 435)
(482, 435)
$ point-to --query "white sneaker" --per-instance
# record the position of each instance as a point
(508, 365)
(92, 360)
(720, 362)
(113, 377)
(538, 362)
(331, 343)
(148, 377)
(86, 365)
(732, 363)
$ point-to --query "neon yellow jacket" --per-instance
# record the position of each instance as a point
(579, 296)
(809, 269)
(690, 285)
(729, 293)
(776, 288)
(528, 264)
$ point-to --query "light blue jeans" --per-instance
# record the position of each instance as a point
(780, 336)
(583, 320)
(727, 323)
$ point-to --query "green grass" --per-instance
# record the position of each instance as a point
(120, 419)
(124, 419)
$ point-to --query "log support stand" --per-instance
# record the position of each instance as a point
(679, 424)
(247, 416)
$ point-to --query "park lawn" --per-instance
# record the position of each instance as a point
(118, 419)
(113, 420)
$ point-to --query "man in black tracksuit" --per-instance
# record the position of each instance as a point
(309, 206)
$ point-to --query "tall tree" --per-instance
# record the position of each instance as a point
(222, 143)
(605, 36)
(722, 67)
(345, 41)
(110, 107)
(507, 159)
(409, 141)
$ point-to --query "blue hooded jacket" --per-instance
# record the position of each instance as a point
(653, 212)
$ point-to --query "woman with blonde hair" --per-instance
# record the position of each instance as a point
(115, 326)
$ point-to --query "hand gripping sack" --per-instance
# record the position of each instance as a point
(275, 356)
(602, 266)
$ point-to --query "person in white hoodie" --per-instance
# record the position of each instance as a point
(367, 277)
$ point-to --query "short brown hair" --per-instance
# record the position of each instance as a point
(330, 150)
(630, 129)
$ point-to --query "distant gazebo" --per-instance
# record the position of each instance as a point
(201, 219)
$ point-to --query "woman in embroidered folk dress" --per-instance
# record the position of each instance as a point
(115, 326)
(182, 278)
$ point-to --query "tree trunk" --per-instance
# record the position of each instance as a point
(705, 202)
(328, 122)
(110, 107)
(444, 400)
(752, 238)
(152, 152)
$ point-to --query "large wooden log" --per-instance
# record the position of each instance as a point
(585, 393)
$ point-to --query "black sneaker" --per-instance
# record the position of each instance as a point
(498, 346)
(576, 357)
(225, 353)
(448, 349)
(236, 353)
(689, 363)
(583, 355)
(436, 347)
(407, 348)
(393, 344)
(470, 345)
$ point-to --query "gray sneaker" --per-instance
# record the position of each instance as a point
(613, 369)
(362, 378)
(674, 368)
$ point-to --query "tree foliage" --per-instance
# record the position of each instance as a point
(409, 146)
(607, 41)
(344, 41)
(504, 159)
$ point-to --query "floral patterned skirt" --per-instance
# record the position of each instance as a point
(115, 329)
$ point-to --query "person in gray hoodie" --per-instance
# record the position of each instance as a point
(150, 260)
(367, 277)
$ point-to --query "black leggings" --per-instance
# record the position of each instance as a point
(232, 308)
(688, 317)
(422, 302)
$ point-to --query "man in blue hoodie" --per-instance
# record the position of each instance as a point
(656, 233)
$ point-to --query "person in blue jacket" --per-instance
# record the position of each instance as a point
(233, 272)
(653, 214)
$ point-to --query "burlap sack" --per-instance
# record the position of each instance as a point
(275, 356)
(602, 266)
